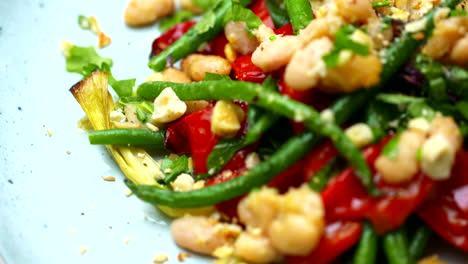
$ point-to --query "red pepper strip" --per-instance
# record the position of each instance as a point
(245, 70)
(260, 9)
(339, 237)
(193, 130)
(170, 36)
(446, 211)
(346, 199)
(318, 158)
(216, 46)
(285, 30)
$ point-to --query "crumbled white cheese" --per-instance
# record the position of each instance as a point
(226, 119)
(168, 107)
(252, 160)
(184, 182)
(327, 115)
(438, 156)
(416, 26)
(419, 124)
(360, 134)
(399, 14)
(117, 116)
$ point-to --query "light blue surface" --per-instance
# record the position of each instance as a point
(50, 188)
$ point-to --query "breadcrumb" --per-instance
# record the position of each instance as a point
(182, 255)
(83, 250)
(109, 178)
(160, 258)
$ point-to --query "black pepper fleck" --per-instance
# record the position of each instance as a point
(10, 181)
(20, 109)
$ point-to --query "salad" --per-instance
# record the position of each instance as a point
(294, 131)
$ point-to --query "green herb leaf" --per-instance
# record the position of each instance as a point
(240, 13)
(378, 115)
(343, 41)
(380, 3)
(457, 13)
(84, 22)
(181, 16)
(421, 109)
(391, 149)
(123, 88)
(206, 4)
(84, 60)
(222, 153)
(171, 168)
(398, 99)
(206, 23)
(462, 107)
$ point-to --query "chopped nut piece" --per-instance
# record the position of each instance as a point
(83, 250)
(360, 134)
(168, 107)
(49, 132)
(252, 160)
(68, 152)
(109, 178)
(182, 255)
(226, 119)
(160, 258)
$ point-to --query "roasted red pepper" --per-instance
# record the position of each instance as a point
(345, 198)
(170, 36)
(194, 131)
(339, 237)
(260, 8)
(245, 70)
(318, 158)
(446, 210)
(285, 30)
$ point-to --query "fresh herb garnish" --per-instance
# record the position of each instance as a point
(240, 13)
(381, 3)
(84, 22)
(181, 16)
(391, 149)
(343, 42)
(84, 60)
(457, 13)
(173, 167)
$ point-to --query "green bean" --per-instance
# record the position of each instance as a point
(195, 37)
(396, 247)
(300, 14)
(128, 137)
(292, 150)
(278, 14)
(274, 102)
(289, 153)
(419, 242)
(320, 180)
(366, 252)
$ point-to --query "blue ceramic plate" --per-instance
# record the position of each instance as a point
(53, 201)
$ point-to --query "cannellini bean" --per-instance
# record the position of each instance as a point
(145, 12)
(447, 127)
(446, 33)
(274, 54)
(202, 234)
(355, 11)
(459, 53)
(255, 248)
(239, 38)
(300, 224)
(263, 33)
(196, 66)
(405, 165)
(193, 106)
(306, 67)
(358, 72)
(169, 75)
(438, 156)
(323, 27)
(259, 209)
